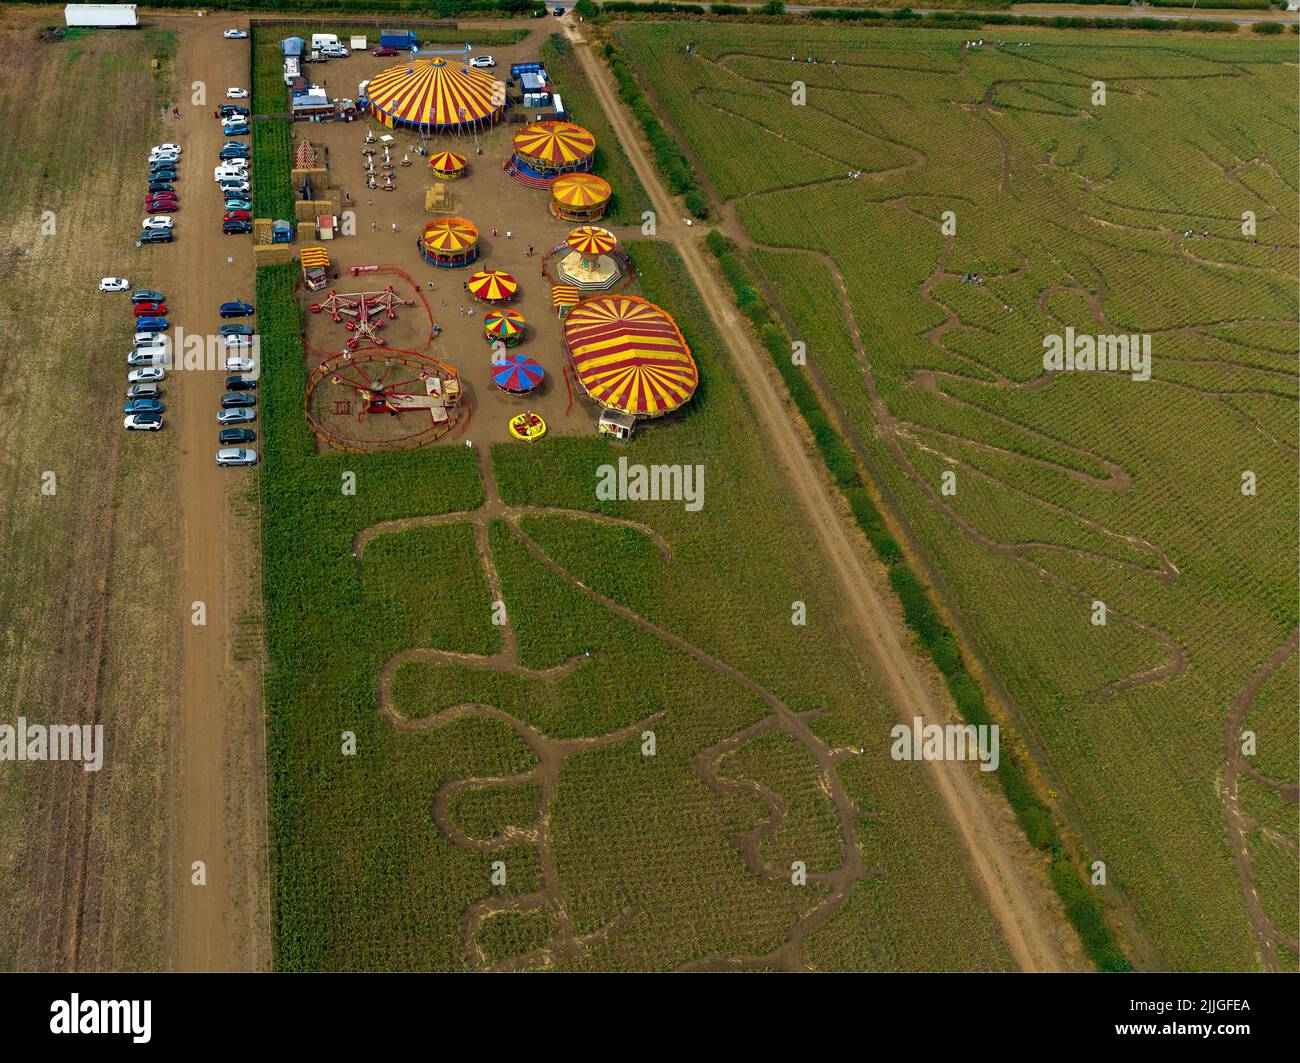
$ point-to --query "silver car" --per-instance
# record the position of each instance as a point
(236, 415)
(236, 456)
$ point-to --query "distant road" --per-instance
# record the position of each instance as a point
(1046, 11)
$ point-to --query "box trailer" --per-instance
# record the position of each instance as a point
(89, 15)
(403, 39)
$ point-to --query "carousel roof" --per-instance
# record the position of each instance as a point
(517, 373)
(629, 355)
(434, 92)
(446, 162)
(502, 324)
(580, 190)
(492, 284)
(450, 234)
(591, 240)
(557, 143)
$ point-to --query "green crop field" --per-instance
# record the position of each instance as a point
(1113, 185)
(501, 808)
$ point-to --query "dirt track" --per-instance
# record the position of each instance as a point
(223, 925)
(1031, 935)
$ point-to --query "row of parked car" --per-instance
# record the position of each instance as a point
(161, 201)
(231, 173)
(144, 404)
(239, 402)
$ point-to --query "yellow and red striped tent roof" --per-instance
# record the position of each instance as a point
(591, 240)
(565, 295)
(629, 355)
(446, 162)
(314, 256)
(554, 143)
(450, 234)
(492, 284)
(434, 92)
(580, 190)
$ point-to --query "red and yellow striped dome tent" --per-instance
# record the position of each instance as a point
(554, 147)
(591, 240)
(447, 164)
(579, 196)
(493, 285)
(449, 242)
(435, 95)
(629, 355)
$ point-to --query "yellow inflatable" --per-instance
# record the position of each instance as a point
(527, 426)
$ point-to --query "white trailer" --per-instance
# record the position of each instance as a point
(95, 15)
(324, 40)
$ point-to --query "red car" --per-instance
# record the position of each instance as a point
(160, 201)
(237, 215)
(150, 309)
(385, 51)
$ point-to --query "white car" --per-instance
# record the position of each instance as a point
(236, 456)
(238, 342)
(240, 363)
(236, 94)
(170, 149)
(151, 375)
(161, 158)
(114, 284)
(161, 221)
(150, 339)
(482, 60)
(143, 422)
(236, 35)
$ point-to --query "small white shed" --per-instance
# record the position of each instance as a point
(92, 15)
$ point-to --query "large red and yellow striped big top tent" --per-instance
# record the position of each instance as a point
(434, 95)
(629, 355)
(559, 146)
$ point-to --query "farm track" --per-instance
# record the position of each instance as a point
(1268, 935)
(1018, 897)
(551, 754)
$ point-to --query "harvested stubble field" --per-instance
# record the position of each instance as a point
(523, 744)
(1117, 217)
(89, 569)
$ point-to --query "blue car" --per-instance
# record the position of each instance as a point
(238, 204)
(152, 324)
(235, 308)
(143, 406)
(235, 131)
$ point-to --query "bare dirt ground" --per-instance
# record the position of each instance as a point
(1018, 895)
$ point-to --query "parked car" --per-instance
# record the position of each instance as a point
(559, 12)
(384, 51)
(156, 236)
(142, 422)
(164, 158)
(240, 383)
(152, 324)
(236, 94)
(234, 308)
(235, 203)
(168, 147)
(236, 215)
(240, 363)
(149, 309)
(119, 284)
(143, 391)
(234, 228)
(161, 199)
(232, 152)
(162, 173)
(147, 295)
(162, 208)
(150, 339)
(235, 129)
(237, 415)
(143, 406)
(151, 356)
(160, 186)
(236, 456)
(159, 221)
(229, 436)
(237, 343)
(229, 110)
(236, 35)
(482, 60)
(151, 374)
(234, 185)
(235, 330)
(233, 399)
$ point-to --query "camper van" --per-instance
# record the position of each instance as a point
(321, 41)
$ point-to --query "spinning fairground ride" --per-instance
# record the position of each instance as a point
(362, 313)
(382, 399)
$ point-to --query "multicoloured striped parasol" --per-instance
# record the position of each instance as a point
(517, 373)
(503, 324)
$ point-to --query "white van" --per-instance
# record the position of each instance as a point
(231, 168)
(325, 40)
